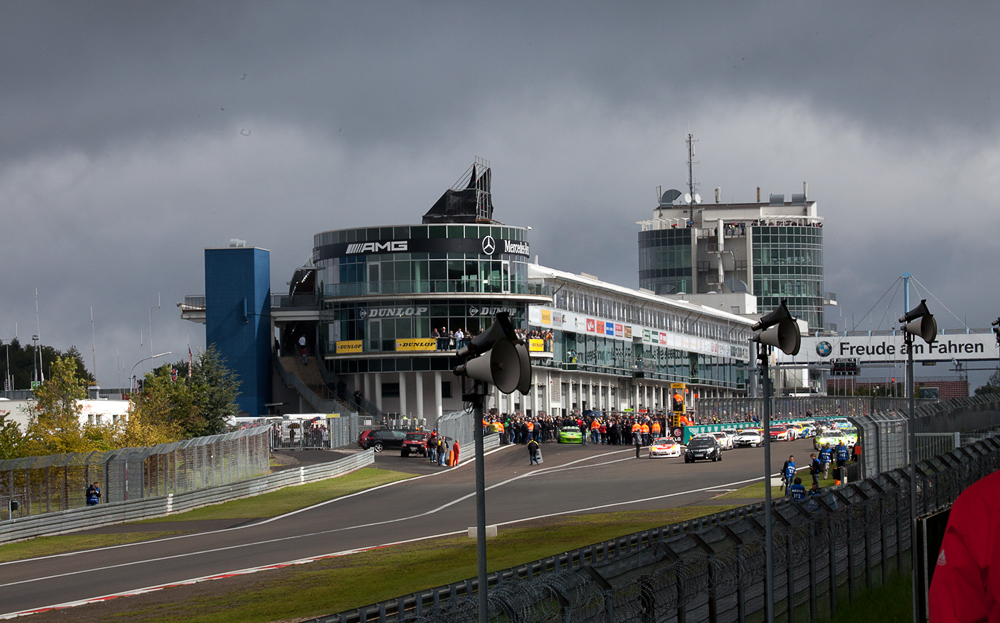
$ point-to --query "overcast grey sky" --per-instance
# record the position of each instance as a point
(134, 135)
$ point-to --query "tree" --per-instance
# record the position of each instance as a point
(216, 388)
(992, 386)
(12, 440)
(55, 425)
(24, 362)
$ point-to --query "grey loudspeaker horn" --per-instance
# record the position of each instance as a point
(925, 327)
(502, 329)
(501, 365)
(784, 335)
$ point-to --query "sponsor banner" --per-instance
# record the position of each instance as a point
(418, 343)
(536, 345)
(391, 312)
(891, 348)
(569, 321)
(349, 347)
(475, 310)
(487, 245)
(546, 317)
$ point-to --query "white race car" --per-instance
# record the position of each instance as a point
(749, 438)
(725, 440)
(665, 447)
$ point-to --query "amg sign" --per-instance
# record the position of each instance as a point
(392, 246)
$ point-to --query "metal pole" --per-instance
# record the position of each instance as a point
(908, 339)
(480, 502)
(762, 354)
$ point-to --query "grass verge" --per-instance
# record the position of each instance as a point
(265, 505)
(756, 490)
(342, 583)
(50, 545)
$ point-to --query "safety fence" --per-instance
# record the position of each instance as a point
(824, 551)
(134, 510)
(708, 410)
(46, 484)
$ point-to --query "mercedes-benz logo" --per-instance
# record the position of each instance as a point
(489, 245)
(363, 313)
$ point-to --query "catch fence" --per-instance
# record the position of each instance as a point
(824, 551)
(59, 482)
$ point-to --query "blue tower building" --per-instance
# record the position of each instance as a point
(238, 319)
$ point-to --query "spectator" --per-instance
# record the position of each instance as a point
(825, 458)
(814, 468)
(533, 452)
(93, 494)
(797, 491)
(787, 473)
(965, 578)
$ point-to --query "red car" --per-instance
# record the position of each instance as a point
(415, 443)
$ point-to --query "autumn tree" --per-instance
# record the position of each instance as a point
(12, 440)
(54, 425)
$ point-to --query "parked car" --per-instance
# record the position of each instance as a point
(381, 439)
(415, 443)
(570, 434)
(749, 438)
(703, 447)
(363, 436)
(665, 447)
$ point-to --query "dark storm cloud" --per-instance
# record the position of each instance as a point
(85, 74)
(134, 135)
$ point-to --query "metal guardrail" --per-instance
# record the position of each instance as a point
(76, 519)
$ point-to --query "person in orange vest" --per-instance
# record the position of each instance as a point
(453, 459)
(656, 429)
(645, 434)
(531, 430)
(595, 430)
(636, 432)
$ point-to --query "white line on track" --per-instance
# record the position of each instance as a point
(577, 464)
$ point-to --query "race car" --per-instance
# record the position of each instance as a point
(725, 440)
(748, 438)
(780, 433)
(834, 436)
(665, 447)
(570, 434)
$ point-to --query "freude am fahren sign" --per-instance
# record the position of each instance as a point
(889, 348)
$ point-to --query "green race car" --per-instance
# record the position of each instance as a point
(834, 436)
(570, 434)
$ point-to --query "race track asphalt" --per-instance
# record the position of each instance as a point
(439, 501)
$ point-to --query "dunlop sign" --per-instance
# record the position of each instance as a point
(348, 347)
(415, 344)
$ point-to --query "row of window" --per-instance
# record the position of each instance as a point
(417, 232)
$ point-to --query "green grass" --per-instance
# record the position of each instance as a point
(290, 498)
(347, 582)
(756, 490)
(49, 545)
(892, 603)
(265, 505)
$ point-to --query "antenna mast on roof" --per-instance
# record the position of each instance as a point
(691, 184)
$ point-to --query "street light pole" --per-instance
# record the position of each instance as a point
(131, 379)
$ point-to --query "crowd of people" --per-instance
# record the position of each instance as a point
(595, 427)
(455, 340)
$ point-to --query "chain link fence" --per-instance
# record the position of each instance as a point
(712, 569)
(59, 482)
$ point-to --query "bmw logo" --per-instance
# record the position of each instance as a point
(489, 245)
(823, 349)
